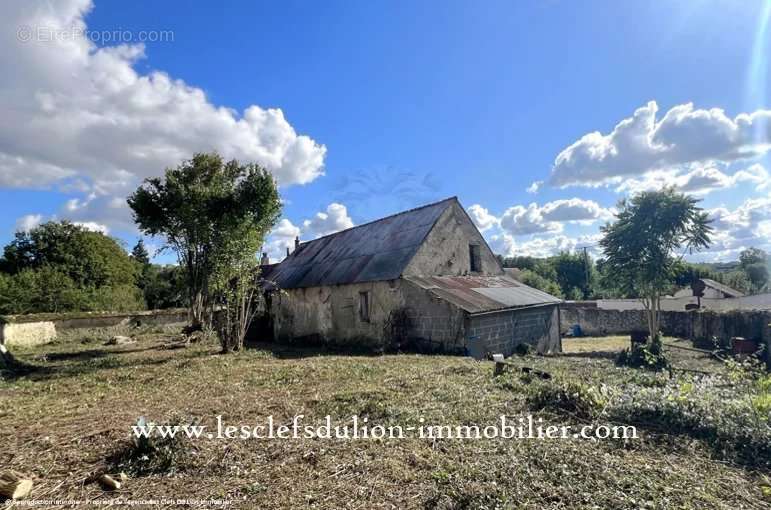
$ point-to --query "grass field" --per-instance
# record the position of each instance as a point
(70, 418)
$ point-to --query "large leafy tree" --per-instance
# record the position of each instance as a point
(752, 256)
(214, 215)
(62, 267)
(754, 263)
(90, 259)
(575, 273)
(140, 254)
(645, 245)
(164, 286)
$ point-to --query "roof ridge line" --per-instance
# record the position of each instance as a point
(454, 197)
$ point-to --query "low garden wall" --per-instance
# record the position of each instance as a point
(35, 329)
(700, 326)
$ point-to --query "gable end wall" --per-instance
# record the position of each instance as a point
(445, 251)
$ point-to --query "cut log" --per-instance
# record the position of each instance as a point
(109, 482)
(13, 485)
(502, 365)
(120, 340)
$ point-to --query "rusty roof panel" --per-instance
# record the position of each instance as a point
(477, 294)
(374, 251)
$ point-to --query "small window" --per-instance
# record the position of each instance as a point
(364, 306)
(475, 263)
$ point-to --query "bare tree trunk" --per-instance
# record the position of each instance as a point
(238, 314)
(655, 334)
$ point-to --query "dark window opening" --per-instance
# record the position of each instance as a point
(475, 262)
(364, 306)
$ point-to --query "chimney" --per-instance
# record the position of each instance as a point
(287, 251)
(265, 260)
(296, 243)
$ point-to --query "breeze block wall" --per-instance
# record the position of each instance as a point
(501, 332)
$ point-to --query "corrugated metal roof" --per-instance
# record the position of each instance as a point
(725, 289)
(477, 294)
(379, 250)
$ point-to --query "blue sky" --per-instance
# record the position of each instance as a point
(388, 105)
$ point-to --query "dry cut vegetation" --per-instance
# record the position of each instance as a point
(68, 419)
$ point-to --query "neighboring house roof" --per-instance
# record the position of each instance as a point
(725, 289)
(375, 251)
(477, 294)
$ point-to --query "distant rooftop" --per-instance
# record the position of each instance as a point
(725, 289)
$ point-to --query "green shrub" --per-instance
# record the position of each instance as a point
(50, 290)
(153, 454)
(523, 349)
(649, 356)
(576, 398)
(539, 282)
(61, 267)
(705, 409)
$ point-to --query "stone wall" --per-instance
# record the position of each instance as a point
(36, 329)
(596, 321)
(501, 332)
(331, 314)
(404, 315)
(27, 333)
(700, 326)
(401, 314)
(445, 251)
(756, 302)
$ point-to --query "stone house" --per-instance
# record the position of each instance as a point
(423, 278)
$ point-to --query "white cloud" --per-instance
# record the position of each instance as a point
(78, 115)
(503, 244)
(109, 211)
(538, 246)
(28, 222)
(574, 209)
(742, 227)
(551, 217)
(538, 230)
(520, 220)
(755, 174)
(286, 229)
(534, 187)
(643, 143)
(482, 217)
(280, 238)
(735, 229)
(700, 180)
(93, 226)
(333, 219)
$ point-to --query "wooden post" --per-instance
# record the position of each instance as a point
(500, 366)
